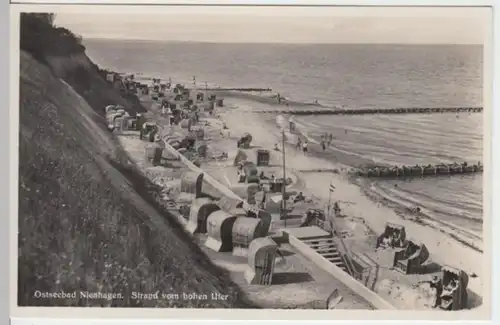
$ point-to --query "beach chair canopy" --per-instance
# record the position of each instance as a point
(451, 273)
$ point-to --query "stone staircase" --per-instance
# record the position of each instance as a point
(326, 247)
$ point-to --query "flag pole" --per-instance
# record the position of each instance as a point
(329, 198)
(283, 194)
(331, 188)
(329, 209)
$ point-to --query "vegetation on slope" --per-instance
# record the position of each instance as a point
(63, 52)
(86, 216)
(41, 38)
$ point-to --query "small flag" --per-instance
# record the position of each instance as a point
(332, 188)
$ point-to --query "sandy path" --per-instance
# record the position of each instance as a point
(443, 249)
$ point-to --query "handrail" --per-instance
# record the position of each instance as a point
(348, 260)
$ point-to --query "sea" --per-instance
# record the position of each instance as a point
(354, 76)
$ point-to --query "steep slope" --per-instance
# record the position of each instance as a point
(89, 81)
(85, 221)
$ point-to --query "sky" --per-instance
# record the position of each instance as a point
(280, 25)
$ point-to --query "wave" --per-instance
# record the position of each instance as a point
(469, 233)
(447, 209)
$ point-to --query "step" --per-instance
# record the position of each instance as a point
(326, 250)
(321, 238)
(321, 242)
(331, 255)
(320, 246)
(336, 260)
(325, 246)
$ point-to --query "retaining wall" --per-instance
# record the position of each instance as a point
(373, 298)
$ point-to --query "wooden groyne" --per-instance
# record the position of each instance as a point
(367, 111)
(418, 171)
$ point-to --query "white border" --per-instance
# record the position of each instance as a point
(228, 314)
(432, 3)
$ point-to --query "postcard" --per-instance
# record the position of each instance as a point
(208, 161)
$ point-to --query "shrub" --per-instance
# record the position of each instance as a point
(41, 38)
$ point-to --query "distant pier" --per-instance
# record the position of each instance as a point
(373, 111)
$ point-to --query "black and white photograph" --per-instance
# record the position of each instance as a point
(254, 158)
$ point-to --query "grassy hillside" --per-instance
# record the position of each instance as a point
(88, 220)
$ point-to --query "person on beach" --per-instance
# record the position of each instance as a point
(336, 208)
(263, 201)
(437, 285)
(241, 176)
(304, 148)
(330, 139)
(323, 145)
(278, 96)
(300, 197)
(299, 144)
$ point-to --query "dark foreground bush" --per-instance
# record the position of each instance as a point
(44, 41)
(41, 38)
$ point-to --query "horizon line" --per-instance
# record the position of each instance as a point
(104, 38)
